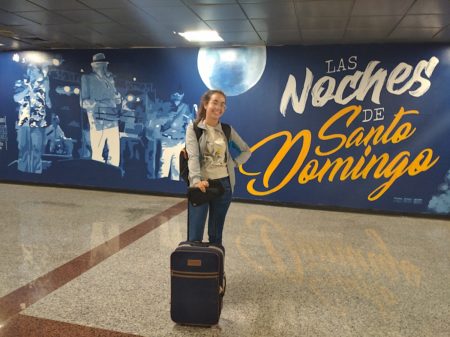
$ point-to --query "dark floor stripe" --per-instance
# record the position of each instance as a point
(28, 326)
(16, 301)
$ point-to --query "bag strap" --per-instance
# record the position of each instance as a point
(198, 131)
(226, 128)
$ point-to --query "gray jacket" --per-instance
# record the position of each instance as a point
(196, 149)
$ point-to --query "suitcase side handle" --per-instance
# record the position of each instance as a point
(224, 286)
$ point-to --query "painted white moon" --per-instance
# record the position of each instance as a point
(233, 70)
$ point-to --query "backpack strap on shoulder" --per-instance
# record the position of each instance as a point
(184, 157)
(226, 128)
(198, 131)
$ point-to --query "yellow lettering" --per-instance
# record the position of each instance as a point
(403, 132)
(309, 172)
(305, 135)
(322, 132)
(422, 162)
(377, 166)
(392, 134)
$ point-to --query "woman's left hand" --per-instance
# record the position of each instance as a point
(202, 185)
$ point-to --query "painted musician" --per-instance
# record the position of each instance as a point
(172, 137)
(100, 99)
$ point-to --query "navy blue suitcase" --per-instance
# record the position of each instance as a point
(197, 283)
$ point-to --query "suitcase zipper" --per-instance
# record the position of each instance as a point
(213, 247)
(186, 274)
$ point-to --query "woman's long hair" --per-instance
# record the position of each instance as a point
(201, 112)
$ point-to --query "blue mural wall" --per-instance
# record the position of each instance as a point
(358, 127)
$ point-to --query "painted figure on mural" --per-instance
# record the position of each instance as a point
(440, 202)
(100, 99)
(154, 117)
(85, 151)
(56, 141)
(131, 128)
(172, 136)
(32, 95)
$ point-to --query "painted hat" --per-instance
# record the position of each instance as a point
(177, 96)
(99, 58)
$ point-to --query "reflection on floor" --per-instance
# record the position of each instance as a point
(90, 263)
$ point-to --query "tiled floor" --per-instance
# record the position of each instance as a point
(90, 263)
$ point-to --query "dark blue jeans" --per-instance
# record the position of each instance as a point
(217, 208)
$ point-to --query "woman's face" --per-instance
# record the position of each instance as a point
(215, 107)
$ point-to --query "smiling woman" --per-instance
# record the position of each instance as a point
(210, 161)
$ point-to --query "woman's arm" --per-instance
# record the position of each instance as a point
(193, 151)
(245, 152)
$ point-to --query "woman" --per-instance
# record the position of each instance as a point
(210, 158)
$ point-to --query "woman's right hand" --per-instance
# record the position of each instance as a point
(202, 185)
